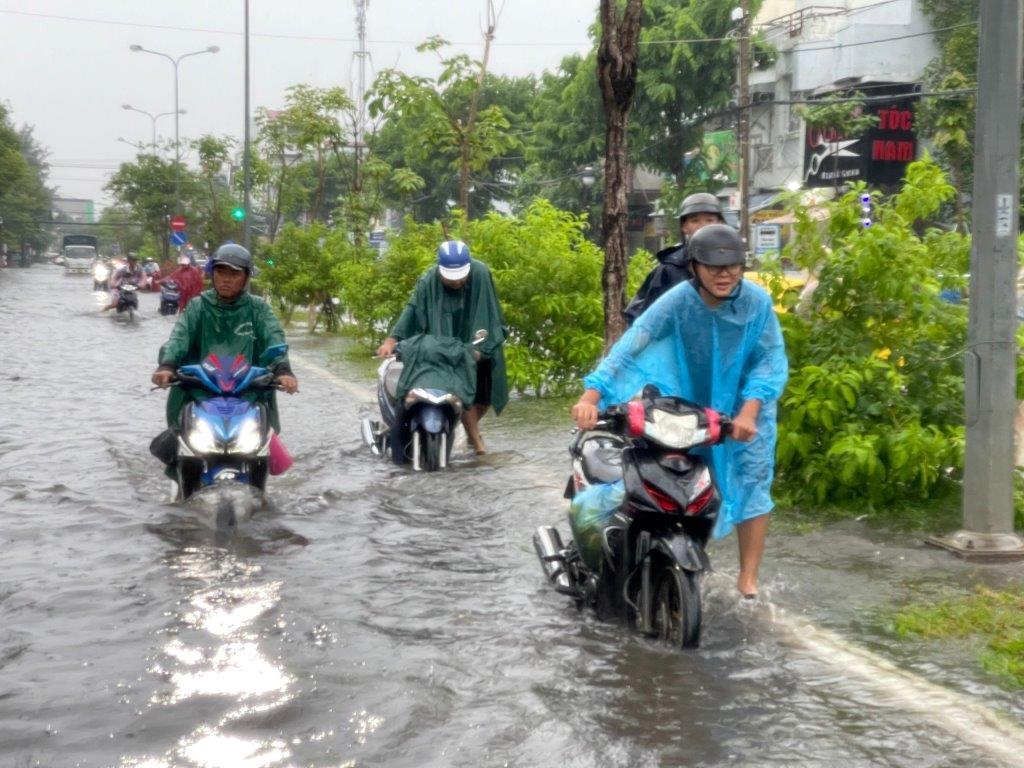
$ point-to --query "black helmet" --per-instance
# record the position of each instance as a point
(233, 255)
(716, 245)
(701, 202)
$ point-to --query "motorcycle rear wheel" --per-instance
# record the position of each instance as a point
(677, 608)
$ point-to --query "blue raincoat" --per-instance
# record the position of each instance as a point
(717, 357)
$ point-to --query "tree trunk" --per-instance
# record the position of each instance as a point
(616, 75)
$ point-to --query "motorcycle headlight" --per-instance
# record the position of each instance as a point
(201, 438)
(248, 438)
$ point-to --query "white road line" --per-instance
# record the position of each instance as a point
(362, 393)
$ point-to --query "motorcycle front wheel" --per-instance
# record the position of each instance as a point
(677, 609)
(433, 450)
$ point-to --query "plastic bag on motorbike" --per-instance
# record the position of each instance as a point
(589, 514)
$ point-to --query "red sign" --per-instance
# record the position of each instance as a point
(178, 224)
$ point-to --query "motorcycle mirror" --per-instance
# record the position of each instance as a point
(272, 353)
(480, 336)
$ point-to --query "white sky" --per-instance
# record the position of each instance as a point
(68, 77)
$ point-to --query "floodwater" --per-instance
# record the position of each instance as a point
(376, 617)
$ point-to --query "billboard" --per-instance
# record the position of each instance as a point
(879, 156)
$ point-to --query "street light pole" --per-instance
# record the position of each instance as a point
(135, 48)
(247, 149)
(153, 118)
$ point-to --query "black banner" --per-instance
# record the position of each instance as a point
(878, 157)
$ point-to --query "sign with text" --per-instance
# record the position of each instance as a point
(767, 238)
(878, 157)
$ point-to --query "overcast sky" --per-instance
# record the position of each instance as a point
(66, 69)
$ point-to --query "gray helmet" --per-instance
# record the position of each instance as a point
(701, 202)
(716, 245)
(233, 255)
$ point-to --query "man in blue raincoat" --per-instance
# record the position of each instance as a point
(716, 341)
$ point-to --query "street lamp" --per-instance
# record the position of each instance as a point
(153, 118)
(135, 48)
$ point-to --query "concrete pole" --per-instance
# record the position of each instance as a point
(247, 148)
(990, 363)
(743, 123)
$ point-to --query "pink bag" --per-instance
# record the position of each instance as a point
(280, 459)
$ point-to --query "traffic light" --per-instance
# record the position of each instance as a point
(238, 213)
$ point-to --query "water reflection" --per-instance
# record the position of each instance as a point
(214, 661)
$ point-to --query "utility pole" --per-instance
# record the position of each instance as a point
(361, 54)
(246, 147)
(742, 14)
(990, 362)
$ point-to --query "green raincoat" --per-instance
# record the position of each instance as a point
(440, 311)
(247, 326)
(437, 362)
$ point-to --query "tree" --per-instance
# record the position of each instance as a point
(446, 112)
(215, 224)
(617, 76)
(24, 196)
(146, 187)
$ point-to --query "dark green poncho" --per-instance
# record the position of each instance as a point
(247, 326)
(439, 311)
(438, 362)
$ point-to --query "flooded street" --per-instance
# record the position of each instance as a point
(376, 617)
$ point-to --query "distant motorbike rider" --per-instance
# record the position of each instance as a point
(225, 320)
(715, 341)
(456, 298)
(131, 273)
(189, 279)
(698, 210)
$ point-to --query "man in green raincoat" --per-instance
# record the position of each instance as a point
(456, 298)
(226, 320)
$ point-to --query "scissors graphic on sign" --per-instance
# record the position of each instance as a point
(827, 149)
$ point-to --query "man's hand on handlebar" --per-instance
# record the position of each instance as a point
(585, 412)
(287, 383)
(387, 348)
(162, 377)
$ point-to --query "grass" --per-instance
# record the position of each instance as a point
(937, 515)
(995, 618)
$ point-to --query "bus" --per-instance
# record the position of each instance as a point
(79, 252)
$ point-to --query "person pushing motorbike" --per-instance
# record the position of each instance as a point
(698, 210)
(457, 298)
(714, 340)
(225, 320)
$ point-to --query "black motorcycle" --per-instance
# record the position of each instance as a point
(170, 296)
(642, 563)
(127, 300)
(419, 430)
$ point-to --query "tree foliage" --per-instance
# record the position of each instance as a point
(24, 197)
(873, 410)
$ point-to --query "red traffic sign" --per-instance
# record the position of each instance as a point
(178, 223)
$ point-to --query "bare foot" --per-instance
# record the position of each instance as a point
(747, 586)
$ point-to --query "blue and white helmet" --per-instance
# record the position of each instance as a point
(453, 259)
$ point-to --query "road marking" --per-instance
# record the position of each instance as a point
(959, 714)
(363, 393)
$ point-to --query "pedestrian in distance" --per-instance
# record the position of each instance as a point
(714, 340)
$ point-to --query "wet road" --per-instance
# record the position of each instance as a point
(377, 617)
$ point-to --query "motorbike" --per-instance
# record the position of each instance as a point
(128, 300)
(224, 442)
(170, 295)
(641, 560)
(420, 430)
(100, 276)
